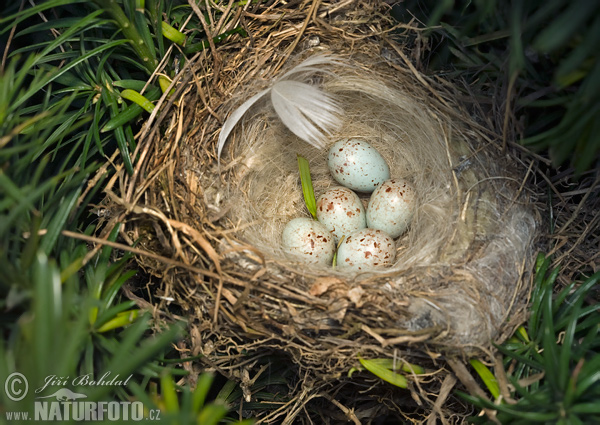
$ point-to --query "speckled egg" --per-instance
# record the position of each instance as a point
(310, 240)
(341, 211)
(391, 207)
(356, 164)
(365, 250)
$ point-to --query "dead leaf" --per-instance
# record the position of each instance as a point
(324, 284)
(355, 295)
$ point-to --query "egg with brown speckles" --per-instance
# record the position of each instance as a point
(365, 250)
(309, 240)
(391, 207)
(341, 211)
(357, 165)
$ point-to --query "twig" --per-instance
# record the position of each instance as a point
(211, 43)
(309, 16)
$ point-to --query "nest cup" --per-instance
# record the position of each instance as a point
(457, 270)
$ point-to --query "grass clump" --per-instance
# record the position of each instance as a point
(548, 373)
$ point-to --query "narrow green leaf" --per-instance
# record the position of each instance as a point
(307, 186)
(130, 112)
(202, 388)
(114, 285)
(172, 34)
(212, 414)
(36, 88)
(47, 309)
(20, 16)
(169, 395)
(137, 85)
(394, 365)
(384, 373)
(487, 377)
(122, 319)
(555, 376)
(164, 83)
(589, 376)
(109, 98)
(144, 30)
(57, 223)
(515, 412)
(587, 408)
(522, 332)
(531, 362)
(138, 99)
(226, 392)
(111, 313)
(564, 25)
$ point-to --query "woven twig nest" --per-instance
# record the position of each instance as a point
(457, 282)
(457, 271)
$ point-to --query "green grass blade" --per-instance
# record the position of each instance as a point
(47, 310)
(130, 112)
(122, 319)
(143, 29)
(515, 412)
(110, 99)
(58, 221)
(172, 34)
(487, 377)
(19, 17)
(589, 376)
(564, 25)
(384, 373)
(307, 186)
(202, 388)
(226, 391)
(169, 395)
(57, 73)
(138, 99)
(212, 414)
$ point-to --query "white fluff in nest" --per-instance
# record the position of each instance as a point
(306, 110)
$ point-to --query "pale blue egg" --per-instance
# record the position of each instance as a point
(341, 211)
(357, 165)
(391, 207)
(308, 240)
(365, 250)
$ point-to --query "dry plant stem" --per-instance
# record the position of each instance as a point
(143, 140)
(416, 73)
(211, 43)
(102, 171)
(502, 380)
(11, 35)
(103, 242)
(447, 386)
(348, 412)
(507, 109)
(310, 16)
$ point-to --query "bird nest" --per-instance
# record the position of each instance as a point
(213, 225)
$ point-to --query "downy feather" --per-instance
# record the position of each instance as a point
(306, 110)
(303, 109)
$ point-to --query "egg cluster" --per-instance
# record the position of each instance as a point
(366, 235)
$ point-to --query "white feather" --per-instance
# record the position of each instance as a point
(234, 118)
(306, 110)
(303, 109)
